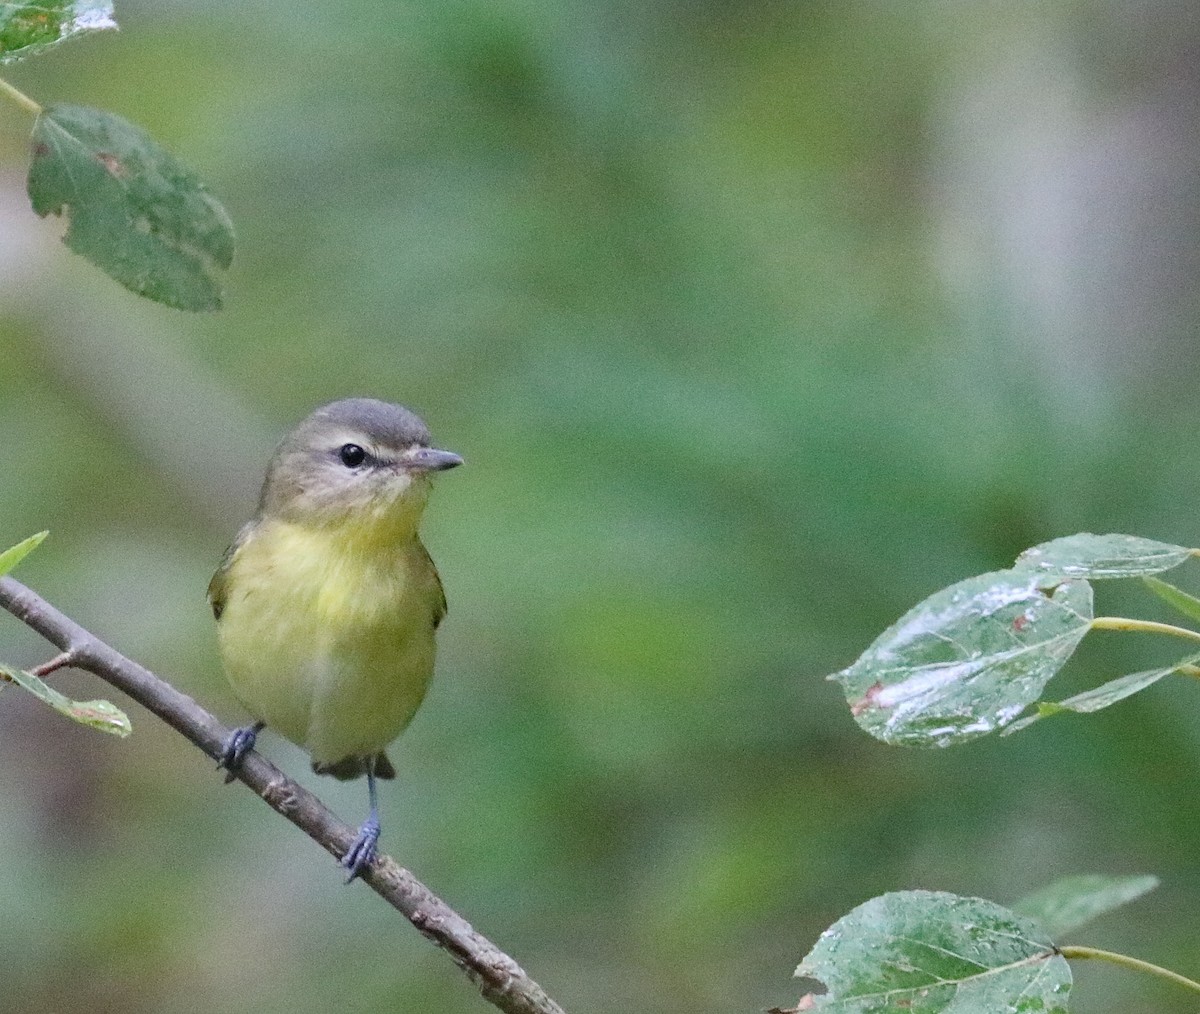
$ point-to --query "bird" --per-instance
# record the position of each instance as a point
(327, 603)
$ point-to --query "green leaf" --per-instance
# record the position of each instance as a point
(11, 557)
(133, 210)
(1100, 556)
(967, 660)
(29, 28)
(1187, 604)
(102, 715)
(1099, 697)
(922, 952)
(1069, 903)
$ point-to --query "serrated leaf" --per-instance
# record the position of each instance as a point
(30, 28)
(925, 952)
(1100, 556)
(133, 210)
(102, 715)
(1071, 902)
(1099, 697)
(11, 557)
(967, 660)
(1177, 598)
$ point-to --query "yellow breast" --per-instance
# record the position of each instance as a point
(328, 640)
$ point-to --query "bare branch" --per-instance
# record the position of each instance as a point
(501, 980)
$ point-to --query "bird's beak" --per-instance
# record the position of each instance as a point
(429, 459)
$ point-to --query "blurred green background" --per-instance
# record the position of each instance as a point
(756, 322)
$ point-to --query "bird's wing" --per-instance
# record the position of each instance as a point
(218, 587)
(439, 603)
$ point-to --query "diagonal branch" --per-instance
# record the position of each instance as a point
(501, 980)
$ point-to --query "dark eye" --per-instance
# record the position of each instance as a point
(352, 455)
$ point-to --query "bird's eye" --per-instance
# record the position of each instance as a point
(352, 455)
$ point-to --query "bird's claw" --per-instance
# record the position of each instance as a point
(362, 850)
(239, 743)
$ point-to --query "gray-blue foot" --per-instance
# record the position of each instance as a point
(362, 849)
(239, 743)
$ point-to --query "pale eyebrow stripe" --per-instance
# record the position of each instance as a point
(339, 438)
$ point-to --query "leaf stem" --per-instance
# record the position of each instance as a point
(1127, 962)
(1143, 626)
(20, 98)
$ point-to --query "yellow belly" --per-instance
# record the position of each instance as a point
(332, 648)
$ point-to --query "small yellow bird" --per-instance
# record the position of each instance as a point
(327, 602)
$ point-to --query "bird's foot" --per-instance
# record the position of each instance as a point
(239, 743)
(362, 849)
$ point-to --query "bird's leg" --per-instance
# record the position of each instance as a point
(239, 743)
(362, 849)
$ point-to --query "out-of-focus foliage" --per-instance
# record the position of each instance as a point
(1071, 902)
(1187, 604)
(756, 323)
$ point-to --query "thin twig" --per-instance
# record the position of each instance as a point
(63, 660)
(500, 979)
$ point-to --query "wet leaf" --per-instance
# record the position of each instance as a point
(133, 210)
(1071, 902)
(102, 715)
(924, 952)
(1100, 556)
(1099, 697)
(11, 557)
(1177, 598)
(967, 660)
(30, 28)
